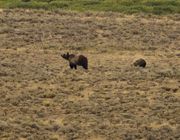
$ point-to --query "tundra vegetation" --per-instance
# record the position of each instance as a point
(42, 98)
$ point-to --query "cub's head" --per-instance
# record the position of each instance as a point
(65, 56)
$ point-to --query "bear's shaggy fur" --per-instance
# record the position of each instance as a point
(75, 60)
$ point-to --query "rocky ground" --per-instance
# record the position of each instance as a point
(42, 98)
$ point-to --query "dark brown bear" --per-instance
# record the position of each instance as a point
(140, 62)
(75, 60)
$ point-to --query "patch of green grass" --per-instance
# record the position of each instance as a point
(35, 5)
(8, 3)
(57, 4)
(124, 6)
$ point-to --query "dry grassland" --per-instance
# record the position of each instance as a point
(42, 98)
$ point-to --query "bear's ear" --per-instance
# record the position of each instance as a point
(67, 54)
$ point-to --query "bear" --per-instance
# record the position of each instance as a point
(75, 60)
(140, 62)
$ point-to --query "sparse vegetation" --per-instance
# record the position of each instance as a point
(124, 6)
(41, 98)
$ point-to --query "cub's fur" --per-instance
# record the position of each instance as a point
(140, 62)
(75, 60)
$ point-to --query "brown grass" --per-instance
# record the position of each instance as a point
(42, 98)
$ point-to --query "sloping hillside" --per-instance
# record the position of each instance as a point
(42, 98)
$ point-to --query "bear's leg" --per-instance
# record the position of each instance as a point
(71, 66)
(85, 66)
(75, 66)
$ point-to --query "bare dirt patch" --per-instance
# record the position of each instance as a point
(41, 98)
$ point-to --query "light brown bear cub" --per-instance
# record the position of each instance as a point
(75, 60)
